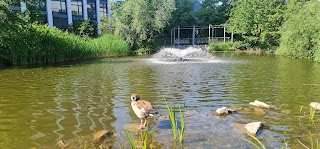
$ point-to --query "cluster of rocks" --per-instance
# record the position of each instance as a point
(250, 128)
(254, 127)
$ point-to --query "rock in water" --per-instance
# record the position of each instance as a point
(253, 128)
(250, 128)
(224, 111)
(315, 105)
(101, 135)
(259, 104)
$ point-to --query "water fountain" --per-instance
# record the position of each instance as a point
(183, 55)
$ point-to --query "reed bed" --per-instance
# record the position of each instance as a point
(38, 44)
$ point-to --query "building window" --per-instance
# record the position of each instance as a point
(92, 9)
(103, 10)
(76, 7)
(58, 6)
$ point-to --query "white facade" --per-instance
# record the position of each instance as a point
(62, 13)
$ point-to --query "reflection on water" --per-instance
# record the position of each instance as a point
(39, 106)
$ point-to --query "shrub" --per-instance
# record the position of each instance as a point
(221, 46)
(300, 33)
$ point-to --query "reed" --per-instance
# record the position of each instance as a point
(173, 121)
(174, 124)
(143, 139)
(181, 132)
(131, 140)
(38, 44)
(257, 144)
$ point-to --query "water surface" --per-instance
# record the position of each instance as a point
(39, 106)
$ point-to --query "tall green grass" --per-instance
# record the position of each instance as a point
(37, 44)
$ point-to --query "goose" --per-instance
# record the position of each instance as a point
(143, 109)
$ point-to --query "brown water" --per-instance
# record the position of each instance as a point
(39, 106)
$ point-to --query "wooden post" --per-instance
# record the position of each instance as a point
(174, 36)
(171, 36)
(209, 35)
(178, 35)
(193, 35)
(224, 33)
(232, 37)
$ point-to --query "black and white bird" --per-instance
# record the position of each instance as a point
(143, 109)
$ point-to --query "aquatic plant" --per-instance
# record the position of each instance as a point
(174, 123)
(172, 116)
(131, 139)
(257, 144)
(143, 139)
(181, 132)
(314, 143)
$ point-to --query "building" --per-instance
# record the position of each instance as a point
(62, 13)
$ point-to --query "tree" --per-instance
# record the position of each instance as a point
(300, 33)
(258, 21)
(183, 15)
(139, 21)
(214, 12)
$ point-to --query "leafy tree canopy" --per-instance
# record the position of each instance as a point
(214, 12)
(139, 21)
(258, 20)
(183, 15)
(300, 33)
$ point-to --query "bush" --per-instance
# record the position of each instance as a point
(221, 46)
(300, 33)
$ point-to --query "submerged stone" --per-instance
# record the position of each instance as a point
(101, 135)
(315, 105)
(259, 104)
(90, 141)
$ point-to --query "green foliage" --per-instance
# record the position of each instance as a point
(83, 29)
(259, 21)
(183, 15)
(214, 12)
(221, 46)
(86, 29)
(300, 33)
(107, 25)
(140, 21)
(34, 43)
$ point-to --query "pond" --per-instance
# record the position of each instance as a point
(40, 106)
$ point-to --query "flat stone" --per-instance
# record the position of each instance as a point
(315, 105)
(259, 104)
